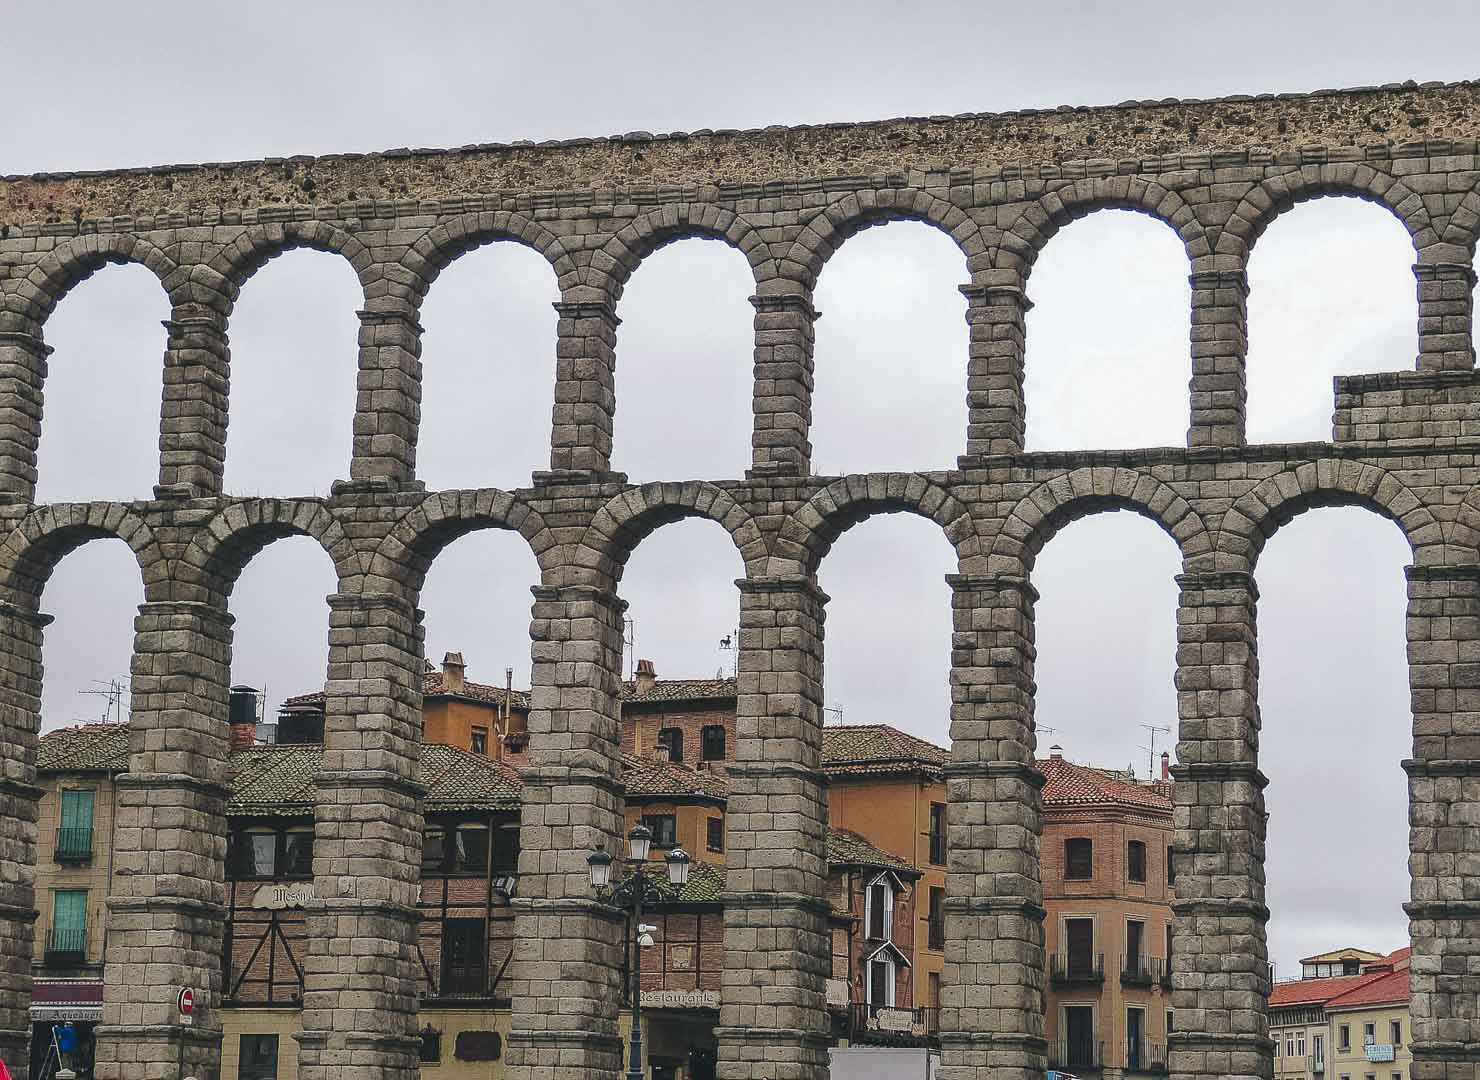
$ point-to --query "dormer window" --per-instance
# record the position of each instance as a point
(880, 975)
(879, 908)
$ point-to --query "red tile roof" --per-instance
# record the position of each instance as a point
(862, 749)
(433, 684)
(648, 777)
(1313, 991)
(1376, 988)
(679, 690)
(1071, 785)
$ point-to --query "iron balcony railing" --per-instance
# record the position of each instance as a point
(1316, 1064)
(1141, 970)
(74, 845)
(1145, 1056)
(887, 1023)
(1069, 968)
(65, 945)
(937, 935)
(1076, 1055)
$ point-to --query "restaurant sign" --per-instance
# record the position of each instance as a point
(279, 897)
(900, 1021)
(680, 999)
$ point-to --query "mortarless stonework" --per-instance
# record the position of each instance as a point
(1405, 445)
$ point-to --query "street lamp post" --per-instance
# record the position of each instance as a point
(630, 894)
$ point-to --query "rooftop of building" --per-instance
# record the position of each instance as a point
(1383, 980)
(875, 749)
(1070, 785)
(434, 684)
(1386, 987)
(649, 777)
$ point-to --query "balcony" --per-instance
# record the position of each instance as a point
(1076, 1056)
(1142, 970)
(893, 1026)
(1316, 1065)
(1076, 969)
(74, 845)
(1145, 1056)
(64, 947)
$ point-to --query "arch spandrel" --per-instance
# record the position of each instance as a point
(1259, 513)
(47, 535)
(1055, 503)
(826, 231)
(626, 519)
(442, 244)
(222, 548)
(412, 544)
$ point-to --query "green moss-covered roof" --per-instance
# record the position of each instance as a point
(848, 848)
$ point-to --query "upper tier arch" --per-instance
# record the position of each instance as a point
(616, 262)
(440, 245)
(28, 303)
(48, 534)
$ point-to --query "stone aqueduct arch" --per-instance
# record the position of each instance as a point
(1405, 446)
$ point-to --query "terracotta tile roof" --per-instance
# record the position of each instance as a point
(84, 748)
(861, 749)
(1313, 991)
(433, 684)
(649, 777)
(1376, 988)
(848, 848)
(1071, 785)
(680, 690)
(278, 780)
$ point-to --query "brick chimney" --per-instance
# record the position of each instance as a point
(243, 713)
(647, 676)
(1166, 766)
(1055, 752)
(453, 673)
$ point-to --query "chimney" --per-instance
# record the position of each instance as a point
(1056, 752)
(243, 716)
(453, 670)
(647, 676)
(1166, 766)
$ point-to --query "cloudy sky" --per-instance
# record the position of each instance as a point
(1331, 293)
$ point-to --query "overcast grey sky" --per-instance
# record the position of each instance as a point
(1331, 292)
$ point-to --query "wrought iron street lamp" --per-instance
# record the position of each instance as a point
(630, 894)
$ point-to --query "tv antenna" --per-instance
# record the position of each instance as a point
(1154, 730)
(836, 712)
(112, 692)
(629, 644)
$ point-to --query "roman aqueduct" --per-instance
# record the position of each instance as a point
(1404, 445)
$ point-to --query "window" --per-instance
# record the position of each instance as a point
(1289, 1044)
(1344, 1037)
(1079, 944)
(431, 1046)
(712, 743)
(934, 989)
(1171, 867)
(1395, 1032)
(1300, 1044)
(1135, 947)
(464, 957)
(672, 739)
(1369, 1034)
(937, 928)
(881, 981)
(664, 829)
(1135, 1038)
(1318, 1046)
(1079, 859)
(938, 834)
(880, 904)
(470, 849)
(1135, 861)
(714, 834)
(74, 837)
(68, 921)
(259, 1057)
(434, 849)
(480, 740)
(264, 853)
(506, 849)
(1279, 1047)
(1170, 1029)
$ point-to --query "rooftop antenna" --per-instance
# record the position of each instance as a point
(730, 643)
(836, 712)
(1154, 730)
(112, 694)
(629, 644)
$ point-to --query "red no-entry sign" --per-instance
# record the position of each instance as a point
(187, 1005)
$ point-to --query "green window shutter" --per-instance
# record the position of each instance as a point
(77, 809)
(69, 909)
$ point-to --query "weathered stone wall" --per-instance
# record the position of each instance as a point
(1218, 173)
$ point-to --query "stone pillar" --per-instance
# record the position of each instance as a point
(566, 976)
(20, 720)
(995, 314)
(22, 374)
(197, 378)
(585, 388)
(785, 332)
(1444, 805)
(167, 905)
(1445, 298)
(1220, 957)
(1220, 346)
(361, 972)
(388, 398)
(773, 1021)
(992, 997)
